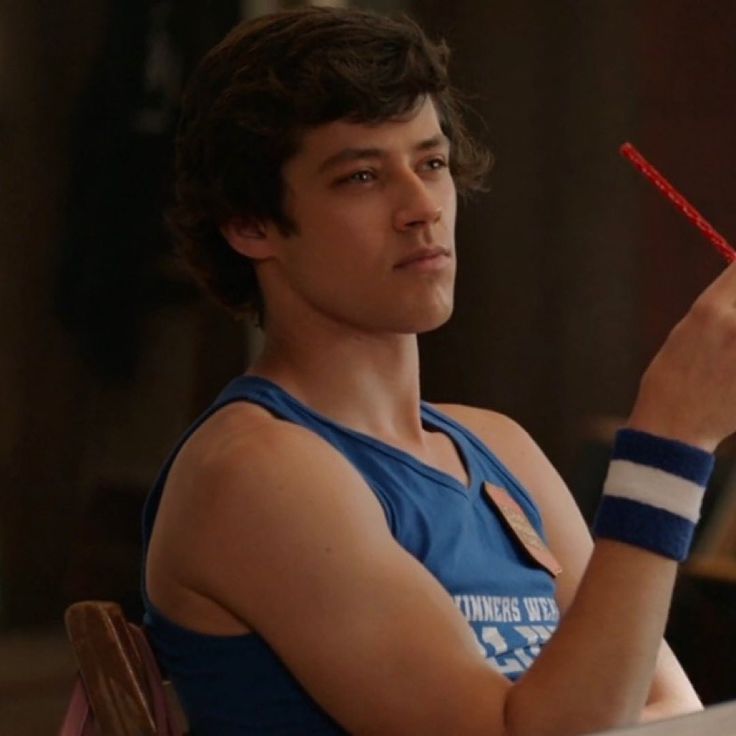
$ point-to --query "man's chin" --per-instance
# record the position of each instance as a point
(429, 323)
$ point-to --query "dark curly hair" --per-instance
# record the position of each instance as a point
(259, 89)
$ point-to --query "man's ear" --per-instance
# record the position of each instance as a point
(247, 237)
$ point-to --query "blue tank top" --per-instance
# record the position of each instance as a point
(236, 685)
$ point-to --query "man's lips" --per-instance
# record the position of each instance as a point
(424, 254)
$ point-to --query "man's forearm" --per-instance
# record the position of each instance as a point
(596, 670)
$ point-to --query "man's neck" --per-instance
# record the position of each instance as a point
(367, 382)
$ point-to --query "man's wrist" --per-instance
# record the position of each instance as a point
(671, 428)
(653, 492)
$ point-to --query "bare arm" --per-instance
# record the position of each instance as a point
(297, 547)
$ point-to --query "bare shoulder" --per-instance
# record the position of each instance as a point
(244, 460)
(514, 446)
(240, 434)
(508, 440)
(247, 494)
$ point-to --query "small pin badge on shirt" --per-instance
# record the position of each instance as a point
(520, 526)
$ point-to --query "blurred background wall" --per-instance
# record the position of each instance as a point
(572, 268)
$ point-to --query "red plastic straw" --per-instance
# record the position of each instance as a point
(720, 243)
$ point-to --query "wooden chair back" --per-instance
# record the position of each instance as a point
(120, 691)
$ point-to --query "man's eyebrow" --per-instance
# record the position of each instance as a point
(354, 154)
(436, 141)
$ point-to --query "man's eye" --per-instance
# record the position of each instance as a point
(364, 176)
(435, 164)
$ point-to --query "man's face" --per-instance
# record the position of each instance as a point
(375, 211)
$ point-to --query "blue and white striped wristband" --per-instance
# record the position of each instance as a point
(653, 492)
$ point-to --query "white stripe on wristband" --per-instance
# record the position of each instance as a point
(653, 492)
(654, 487)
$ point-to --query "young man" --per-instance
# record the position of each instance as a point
(325, 552)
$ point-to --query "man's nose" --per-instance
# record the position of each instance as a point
(417, 206)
